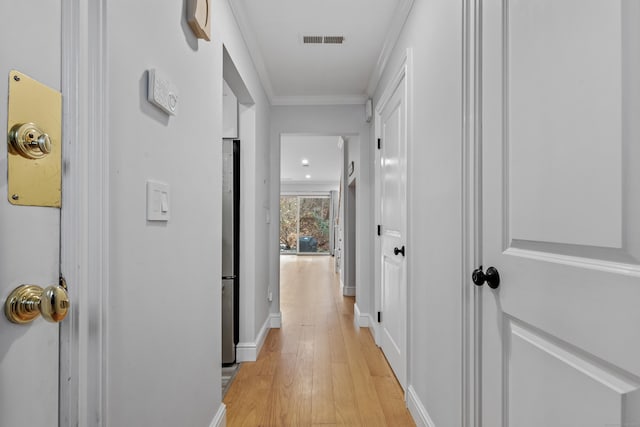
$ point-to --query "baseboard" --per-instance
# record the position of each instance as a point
(417, 409)
(375, 330)
(275, 321)
(349, 291)
(220, 419)
(248, 351)
(360, 319)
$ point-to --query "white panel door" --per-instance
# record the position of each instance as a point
(561, 213)
(30, 42)
(393, 198)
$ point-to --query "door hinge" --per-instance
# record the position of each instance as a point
(379, 230)
(379, 143)
(379, 317)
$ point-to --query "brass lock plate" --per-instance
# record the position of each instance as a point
(35, 120)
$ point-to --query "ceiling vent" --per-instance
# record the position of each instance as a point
(312, 39)
(333, 39)
(322, 39)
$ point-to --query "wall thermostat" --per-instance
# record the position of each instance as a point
(162, 93)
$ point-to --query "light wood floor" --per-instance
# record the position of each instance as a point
(318, 369)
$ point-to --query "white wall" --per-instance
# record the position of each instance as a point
(346, 120)
(163, 327)
(434, 245)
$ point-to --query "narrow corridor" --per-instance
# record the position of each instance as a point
(319, 369)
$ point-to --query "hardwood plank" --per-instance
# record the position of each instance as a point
(376, 362)
(282, 391)
(391, 397)
(322, 406)
(346, 406)
(365, 392)
(250, 409)
(300, 405)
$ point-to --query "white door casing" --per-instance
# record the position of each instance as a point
(30, 39)
(391, 118)
(561, 212)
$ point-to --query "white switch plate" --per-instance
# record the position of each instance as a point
(157, 201)
(162, 93)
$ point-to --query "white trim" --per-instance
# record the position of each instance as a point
(275, 321)
(85, 224)
(417, 409)
(349, 291)
(248, 351)
(375, 330)
(237, 7)
(220, 418)
(471, 214)
(357, 321)
(320, 100)
(361, 320)
(390, 88)
(397, 24)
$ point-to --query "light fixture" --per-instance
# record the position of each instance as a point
(305, 162)
(308, 176)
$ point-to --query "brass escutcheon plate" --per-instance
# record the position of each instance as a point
(34, 182)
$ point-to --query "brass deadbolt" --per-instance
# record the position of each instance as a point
(27, 302)
(29, 141)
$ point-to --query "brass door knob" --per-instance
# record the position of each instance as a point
(26, 302)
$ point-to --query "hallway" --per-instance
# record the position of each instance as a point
(318, 369)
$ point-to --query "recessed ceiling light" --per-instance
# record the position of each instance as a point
(305, 162)
(308, 176)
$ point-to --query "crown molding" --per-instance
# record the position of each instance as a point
(397, 23)
(319, 100)
(237, 7)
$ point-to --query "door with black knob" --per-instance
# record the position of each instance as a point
(561, 213)
(391, 114)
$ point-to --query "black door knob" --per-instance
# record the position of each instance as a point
(492, 277)
(397, 251)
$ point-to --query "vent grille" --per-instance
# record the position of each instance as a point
(311, 39)
(333, 39)
(323, 39)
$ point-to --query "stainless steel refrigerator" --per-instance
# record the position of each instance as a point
(230, 249)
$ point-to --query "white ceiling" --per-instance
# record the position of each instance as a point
(322, 152)
(294, 73)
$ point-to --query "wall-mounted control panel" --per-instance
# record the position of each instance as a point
(162, 93)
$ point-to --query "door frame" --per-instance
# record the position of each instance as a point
(471, 212)
(84, 242)
(404, 70)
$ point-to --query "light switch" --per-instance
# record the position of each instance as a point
(164, 203)
(157, 201)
